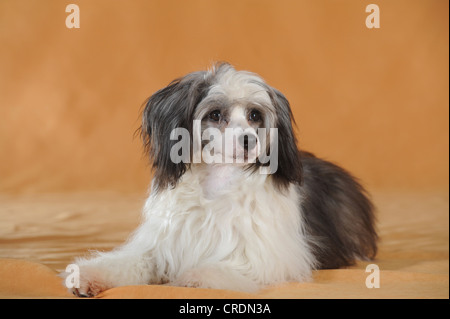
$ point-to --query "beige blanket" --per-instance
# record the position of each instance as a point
(40, 235)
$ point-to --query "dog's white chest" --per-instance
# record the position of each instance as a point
(245, 223)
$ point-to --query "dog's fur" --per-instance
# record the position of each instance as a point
(229, 226)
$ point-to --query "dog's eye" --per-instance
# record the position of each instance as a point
(255, 116)
(215, 115)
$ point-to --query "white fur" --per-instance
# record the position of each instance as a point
(243, 235)
(238, 85)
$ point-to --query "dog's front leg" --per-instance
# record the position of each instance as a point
(120, 267)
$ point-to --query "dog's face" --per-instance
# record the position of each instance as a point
(236, 116)
(229, 117)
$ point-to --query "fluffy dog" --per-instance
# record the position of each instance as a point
(247, 217)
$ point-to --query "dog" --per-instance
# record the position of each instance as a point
(249, 217)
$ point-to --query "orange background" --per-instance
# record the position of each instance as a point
(373, 100)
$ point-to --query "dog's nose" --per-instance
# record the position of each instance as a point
(247, 141)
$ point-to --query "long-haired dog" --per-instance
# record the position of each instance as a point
(259, 212)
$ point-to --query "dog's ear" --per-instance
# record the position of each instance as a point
(289, 164)
(170, 108)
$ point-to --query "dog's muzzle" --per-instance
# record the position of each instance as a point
(247, 141)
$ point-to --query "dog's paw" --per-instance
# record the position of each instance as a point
(192, 278)
(89, 284)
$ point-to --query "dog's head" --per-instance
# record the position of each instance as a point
(220, 116)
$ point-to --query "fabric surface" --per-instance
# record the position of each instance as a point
(413, 253)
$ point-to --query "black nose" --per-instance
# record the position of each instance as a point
(247, 141)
